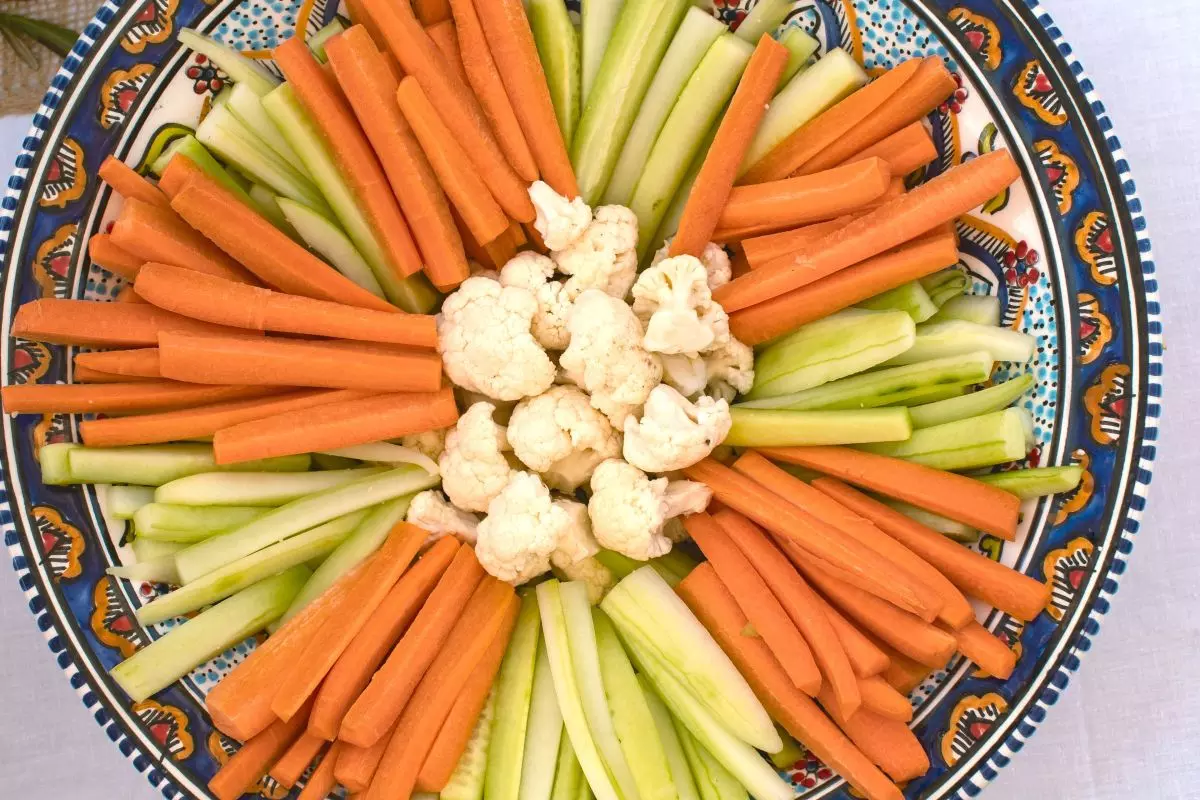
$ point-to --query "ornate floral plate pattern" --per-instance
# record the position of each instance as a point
(1065, 250)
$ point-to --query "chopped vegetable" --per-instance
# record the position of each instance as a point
(982, 441)
(684, 785)
(982, 401)
(910, 298)
(559, 49)
(514, 692)
(756, 427)
(264, 489)
(945, 285)
(545, 739)
(119, 502)
(246, 105)
(569, 781)
(328, 240)
(801, 47)
(175, 523)
(1036, 482)
(467, 781)
(975, 308)
(713, 781)
(943, 525)
(153, 465)
(764, 17)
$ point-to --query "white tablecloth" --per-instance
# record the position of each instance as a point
(1129, 725)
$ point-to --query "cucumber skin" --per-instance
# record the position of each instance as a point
(514, 691)
(984, 441)
(980, 309)
(467, 780)
(1028, 484)
(330, 243)
(984, 401)
(598, 21)
(154, 465)
(773, 428)
(764, 18)
(559, 51)
(801, 48)
(910, 298)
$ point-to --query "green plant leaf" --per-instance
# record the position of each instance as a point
(53, 37)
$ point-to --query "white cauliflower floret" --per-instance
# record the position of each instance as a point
(576, 542)
(730, 370)
(432, 512)
(675, 304)
(605, 256)
(485, 338)
(522, 528)
(673, 432)
(427, 443)
(474, 469)
(717, 264)
(561, 436)
(687, 374)
(629, 510)
(560, 221)
(533, 271)
(606, 357)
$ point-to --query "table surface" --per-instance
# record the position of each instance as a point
(1129, 725)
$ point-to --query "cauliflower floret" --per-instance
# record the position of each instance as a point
(577, 542)
(560, 221)
(730, 370)
(484, 335)
(717, 265)
(675, 304)
(605, 256)
(533, 271)
(432, 512)
(428, 443)
(673, 432)
(687, 374)
(629, 510)
(474, 469)
(522, 528)
(606, 357)
(560, 435)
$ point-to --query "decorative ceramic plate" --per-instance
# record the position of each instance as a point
(1065, 249)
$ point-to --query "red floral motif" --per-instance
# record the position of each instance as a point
(955, 101)
(729, 12)
(1020, 265)
(205, 76)
(809, 771)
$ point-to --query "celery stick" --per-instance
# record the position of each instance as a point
(154, 465)
(761, 427)
(544, 734)
(713, 781)
(995, 438)
(122, 502)
(1035, 482)
(941, 339)
(238, 67)
(984, 401)
(247, 106)
(386, 453)
(678, 562)
(185, 647)
(982, 309)
(847, 343)
(949, 528)
(670, 224)
(234, 577)
(944, 285)
(791, 752)
(172, 523)
(514, 694)
(681, 772)
(327, 239)
(568, 775)
(466, 782)
(831, 79)
(801, 48)
(695, 112)
(152, 570)
(911, 298)
(558, 49)
(764, 17)
(254, 488)
(696, 34)
(598, 19)
(299, 515)
(643, 31)
(55, 462)
(321, 37)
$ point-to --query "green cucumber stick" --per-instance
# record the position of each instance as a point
(558, 49)
(598, 19)
(160, 569)
(239, 68)
(944, 285)
(619, 565)
(211, 632)
(911, 298)
(122, 502)
(670, 224)
(955, 337)
(317, 43)
(264, 489)
(949, 528)
(982, 309)
(267, 204)
(330, 243)
(713, 781)
(678, 562)
(983, 401)
(642, 34)
(149, 549)
(757, 427)
(544, 736)
(791, 752)
(696, 34)
(154, 465)
(984, 441)
(189, 147)
(695, 113)
(55, 462)
(1035, 482)
(764, 18)
(801, 48)
(171, 523)
(514, 693)
(247, 106)
(568, 775)
(466, 782)
(681, 772)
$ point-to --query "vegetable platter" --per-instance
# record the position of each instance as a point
(487, 399)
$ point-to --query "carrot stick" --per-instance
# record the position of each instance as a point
(420, 59)
(87, 323)
(297, 362)
(903, 673)
(356, 766)
(462, 183)
(980, 645)
(887, 742)
(829, 127)
(456, 731)
(129, 184)
(879, 697)
(711, 197)
(334, 425)
(761, 250)
(318, 92)
(251, 762)
(150, 233)
(445, 37)
(501, 249)
(89, 375)
(370, 88)
(322, 780)
(534, 237)
(201, 421)
(322, 652)
(756, 600)
(897, 221)
(715, 607)
(431, 12)
(140, 363)
(489, 615)
(906, 150)
(48, 398)
(955, 610)
(766, 207)
(865, 657)
(114, 259)
(264, 249)
(222, 302)
(128, 295)
(353, 670)
(764, 321)
(863, 566)
(180, 169)
(484, 77)
(288, 769)
(510, 41)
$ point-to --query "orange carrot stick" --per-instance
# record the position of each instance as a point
(48, 398)
(906, 150)
(489, 614)
(322, 652)
(761, 250)
(388, 693)
(431, 12)
(89, 375)
(801, 603)
(903, 673)
(128, 295)
(463, 184)
(887, 742)
(321, 782)
(334, 425)
(140, 363)
(370, 88)
(865, 657)
(445, 37)
(288, 769)
(712, 196)
(127, 183)
(356, 766)
(201, 421)
(510, 40)
(353, 670)
(87, 323)
(420, 59)
(826, 129)
(715, 607)
(251, 762)
(879, 697)
(215, 300)
(296, 362)
(765, 321)
(180, 169)
(501, 249)
(150, 233)
(897, 221)
(756, 600)
(319, 94)
(114, 259)
(980, 645)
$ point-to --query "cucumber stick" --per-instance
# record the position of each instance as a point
(791, 752)
(911, 298)
(949, 528)
(695, 113)
(713, 781)
(984, 401)
(544, 734)
(321, 37)
(247, 106)
(328, 240)
(514, 693)
(466, 782)
(940, 339)
(696, 34)
(189, 147)
(760, 427)
(981, 309)
(147, 465)
(642, 34)
(171, 523)
(670, 224)
(945, 285)
(598, 19)
(189, 645)
(558, 49)
(801, 48)
(264, 489)
(681, 771)
(983, 441)
(267, 203)
(1036, 482)
(384, 453)
(160, 569)
(122, 502)
(621, 566)
(149, 549)
(239, 68)
(764, 17)
(568, 775)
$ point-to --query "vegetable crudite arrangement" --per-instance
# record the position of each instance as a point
(584, 410)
